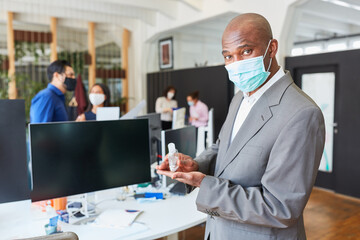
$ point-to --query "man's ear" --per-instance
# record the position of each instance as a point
(273, 48)
(54, 76)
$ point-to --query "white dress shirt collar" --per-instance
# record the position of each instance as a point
(254, 97)
(249, 101)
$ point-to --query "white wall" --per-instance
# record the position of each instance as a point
(188, 50)
(196, 49)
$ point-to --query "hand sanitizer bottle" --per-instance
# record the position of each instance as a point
(50, 211)
(173, 157)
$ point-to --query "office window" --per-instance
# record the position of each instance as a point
(356, 44)
(297, 51)
(313, 49)
(337, 46)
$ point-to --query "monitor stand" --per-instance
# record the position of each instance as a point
(89, 201)
(81, 210)
(179, 189)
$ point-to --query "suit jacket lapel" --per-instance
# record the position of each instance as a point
(226, 130)
(259, 115)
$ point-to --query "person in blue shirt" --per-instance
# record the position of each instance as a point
(49, 104)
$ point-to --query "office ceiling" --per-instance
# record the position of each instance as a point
(317, 19)
(314, 19)
(212, 28)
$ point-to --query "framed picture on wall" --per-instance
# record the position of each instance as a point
(166, 53)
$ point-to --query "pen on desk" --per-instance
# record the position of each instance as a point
(131, 211)
(140, 222)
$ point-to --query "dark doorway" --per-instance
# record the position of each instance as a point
(344, 176)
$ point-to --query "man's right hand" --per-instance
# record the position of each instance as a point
(185, 163)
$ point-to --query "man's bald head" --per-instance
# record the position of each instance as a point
(250, 23)
(248, 36)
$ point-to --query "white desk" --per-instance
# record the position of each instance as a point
(162, 218)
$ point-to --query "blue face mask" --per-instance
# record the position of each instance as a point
(249, 74)
(190, 103)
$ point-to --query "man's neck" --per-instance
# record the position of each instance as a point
(59, 86)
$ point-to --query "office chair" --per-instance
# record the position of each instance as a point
(57, 236)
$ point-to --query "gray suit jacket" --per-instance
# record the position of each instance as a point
(257, 186)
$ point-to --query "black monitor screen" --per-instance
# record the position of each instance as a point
(79, 157)
(14, 184)
(155, 133)
(183, 138)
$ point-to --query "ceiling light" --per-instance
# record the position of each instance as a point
(343, 4)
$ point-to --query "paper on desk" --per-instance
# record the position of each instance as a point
(116, 218)
(90, 231)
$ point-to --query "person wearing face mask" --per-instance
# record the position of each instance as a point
(165, 105)
(255, 181)
(49, 104)
(99, 97)
(199, 112)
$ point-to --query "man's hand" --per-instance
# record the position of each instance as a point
(190, 178)
(185, 163)
(186, 172)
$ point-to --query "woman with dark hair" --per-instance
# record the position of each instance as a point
(199, 112)
(165, 105)
(99, 97)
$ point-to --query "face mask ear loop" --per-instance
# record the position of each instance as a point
(267, 48)
(269, 65)
(266, 53)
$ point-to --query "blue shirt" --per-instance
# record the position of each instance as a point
(48, 106)
(90, 115)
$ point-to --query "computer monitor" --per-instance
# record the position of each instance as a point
(155, 134)
(184, 140)
(14, 184)
(78, 157)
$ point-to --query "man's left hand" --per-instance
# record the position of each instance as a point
(190, 178)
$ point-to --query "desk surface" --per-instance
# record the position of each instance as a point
(161, 218)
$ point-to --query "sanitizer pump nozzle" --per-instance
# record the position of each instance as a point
(173, 157)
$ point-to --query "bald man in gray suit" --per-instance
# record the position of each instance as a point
(255, 181)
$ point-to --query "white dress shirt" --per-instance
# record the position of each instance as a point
(249, 101)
